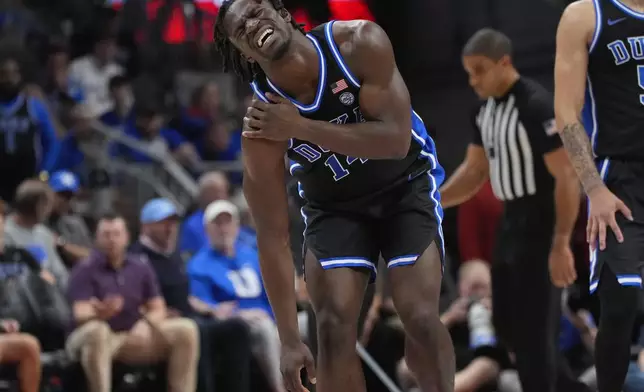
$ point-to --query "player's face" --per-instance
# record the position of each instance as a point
(485, 74)
(258, 30)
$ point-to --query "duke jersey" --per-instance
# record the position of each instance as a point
(614, 110)
(326, 176)
(20, 147)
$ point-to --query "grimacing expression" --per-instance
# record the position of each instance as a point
(484, 74)
(258, 30)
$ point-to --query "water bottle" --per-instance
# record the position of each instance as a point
(479, 320)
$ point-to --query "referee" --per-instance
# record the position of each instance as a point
(516, 146)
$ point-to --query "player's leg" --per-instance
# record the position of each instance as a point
(619, 306)
(406, 237)
(336, 295)
(428, 346)
(617, 278)
(338, 263)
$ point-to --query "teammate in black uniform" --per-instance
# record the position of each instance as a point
(599, 92)
(517, 147)
(335, 101)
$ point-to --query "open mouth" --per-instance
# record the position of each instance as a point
(264, 36)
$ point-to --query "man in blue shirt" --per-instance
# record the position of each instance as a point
(225, 275)
(28, 143)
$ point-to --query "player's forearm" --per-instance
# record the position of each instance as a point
(579, 150)
(462, 185)
(278, 274)
(567, 198)
(368, 140)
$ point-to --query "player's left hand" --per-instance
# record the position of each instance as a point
(277, 120)
(562, 265)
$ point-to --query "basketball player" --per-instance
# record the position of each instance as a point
(334, 101)
(599, 91)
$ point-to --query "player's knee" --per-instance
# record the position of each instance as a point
(419, 320)
(336, 330)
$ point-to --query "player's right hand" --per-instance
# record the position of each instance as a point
(603, 206)
(295, 357)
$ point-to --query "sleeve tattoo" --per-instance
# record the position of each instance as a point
(577, 144)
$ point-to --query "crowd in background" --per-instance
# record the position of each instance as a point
(174, 298)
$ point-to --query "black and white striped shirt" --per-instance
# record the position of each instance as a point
(516, 131)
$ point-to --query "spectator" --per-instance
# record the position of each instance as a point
(149, 128)
(202, 116)
(73, 238)
(120, 314)
(213, 186)
(247, 230)
(85, 153)
(228, 339)
(225, 275)
(24, 228)
(93, 72)
(209, 128)
(23, 350)
(29, 144)
(123, 97)
(57, 83)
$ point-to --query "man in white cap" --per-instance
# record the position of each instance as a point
(225, 276)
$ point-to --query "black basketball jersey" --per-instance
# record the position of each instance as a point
(20, 148)
(326, 176)
(614, 110)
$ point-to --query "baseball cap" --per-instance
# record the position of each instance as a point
(64, 181)
(217, 208)
(157, 210)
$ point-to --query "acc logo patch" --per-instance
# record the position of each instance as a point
(347, 98)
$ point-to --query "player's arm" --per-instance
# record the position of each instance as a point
(384, 100)
(571, 64)
(265, 189)
(468, 178)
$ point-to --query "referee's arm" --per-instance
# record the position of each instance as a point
(469, 177)
(546, 142)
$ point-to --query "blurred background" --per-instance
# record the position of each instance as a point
(129, 104)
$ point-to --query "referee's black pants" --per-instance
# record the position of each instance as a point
(526, 306)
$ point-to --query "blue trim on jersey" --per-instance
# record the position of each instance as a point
(603, 172)
(598, 25)
(402, 260)
(589, 114)
(339, 262)
(627, 10)
(321, 83)
(627, 280)
(258, 92)
(328, 32)
(436, 173)
(293, 167)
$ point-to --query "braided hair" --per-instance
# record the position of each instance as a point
(232, 57)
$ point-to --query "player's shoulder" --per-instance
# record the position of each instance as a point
(579, 15)
(352, 35)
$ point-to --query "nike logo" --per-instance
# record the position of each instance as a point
(612, 22)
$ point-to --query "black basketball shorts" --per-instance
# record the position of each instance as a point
(398, 225)
(626, 260)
